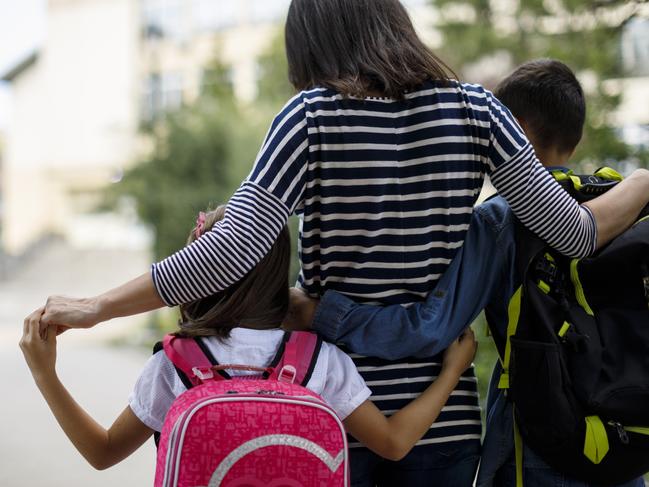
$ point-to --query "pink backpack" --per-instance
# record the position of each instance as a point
(260, 431)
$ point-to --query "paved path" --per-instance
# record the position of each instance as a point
(33, 450)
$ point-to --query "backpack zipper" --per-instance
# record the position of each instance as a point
(641, 430)
(623, 430)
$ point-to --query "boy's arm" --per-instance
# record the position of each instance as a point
(100, 447)
(481, 266)
(394, 437)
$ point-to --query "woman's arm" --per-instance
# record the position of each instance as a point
(255, 215)
(394, 437)
(542, 205)
(100, 447)
(617, 209)
(253, 218)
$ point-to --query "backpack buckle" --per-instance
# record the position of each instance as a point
(203, 373)
(549, 270)
(287, 374)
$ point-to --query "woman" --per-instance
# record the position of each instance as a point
(383, 156)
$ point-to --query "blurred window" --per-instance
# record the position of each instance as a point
(635, 47)
(268, 11)
(214, 15)
(164, 19)
(414, 3)
(162, 92)
(217, 80)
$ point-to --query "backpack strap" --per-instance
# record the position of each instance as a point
(192, 360)
(297, 359)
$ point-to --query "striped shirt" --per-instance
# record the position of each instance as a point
(384, 189)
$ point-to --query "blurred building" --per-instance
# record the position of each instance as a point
(633, 113)
(2, 152)
(73, 120)
(105, 67)
(181, 38)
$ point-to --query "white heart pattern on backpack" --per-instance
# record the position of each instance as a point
(333, 463)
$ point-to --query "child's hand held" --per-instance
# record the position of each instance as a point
(459, 356)
(40, 353)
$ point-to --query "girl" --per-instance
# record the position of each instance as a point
(240, 325)
(383, 155)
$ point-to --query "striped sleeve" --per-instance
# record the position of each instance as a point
(534, 196)
(254, 217)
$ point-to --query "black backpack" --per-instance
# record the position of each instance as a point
(576, 356)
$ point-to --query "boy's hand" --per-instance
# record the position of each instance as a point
(301, 310)
(460, 354)
(40, 354)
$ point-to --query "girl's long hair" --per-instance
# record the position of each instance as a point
(259, 300)
(358, 48)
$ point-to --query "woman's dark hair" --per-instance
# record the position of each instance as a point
(259, 300)
(358, 48)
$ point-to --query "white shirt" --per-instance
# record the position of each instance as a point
(334, 377)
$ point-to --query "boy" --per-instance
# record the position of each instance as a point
(548, 101)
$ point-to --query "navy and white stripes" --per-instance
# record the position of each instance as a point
(385, 190)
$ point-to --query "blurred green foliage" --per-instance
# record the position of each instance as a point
(584, 34)
(274, 88)
(198, 156)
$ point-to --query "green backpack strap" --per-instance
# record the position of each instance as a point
(528, 246)
(513, 314)
(586, 187)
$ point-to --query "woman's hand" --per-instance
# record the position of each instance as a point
(136, 296)
(460, 354)
(40, 354)
(67, 312)
(301, 310)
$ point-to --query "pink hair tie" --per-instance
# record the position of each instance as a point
(200, 225)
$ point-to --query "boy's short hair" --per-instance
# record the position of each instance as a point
(546, 96)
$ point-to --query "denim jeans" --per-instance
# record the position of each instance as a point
(536, 473)
(444, 465)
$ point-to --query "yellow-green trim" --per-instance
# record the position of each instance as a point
(513, 313)
(644, 218)
(544, 286)
(564, 329)
(559, 175)
(576, 182)
(596, 440)
(579, 290)
(641, 430)
(609, 174)
(567, 176)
